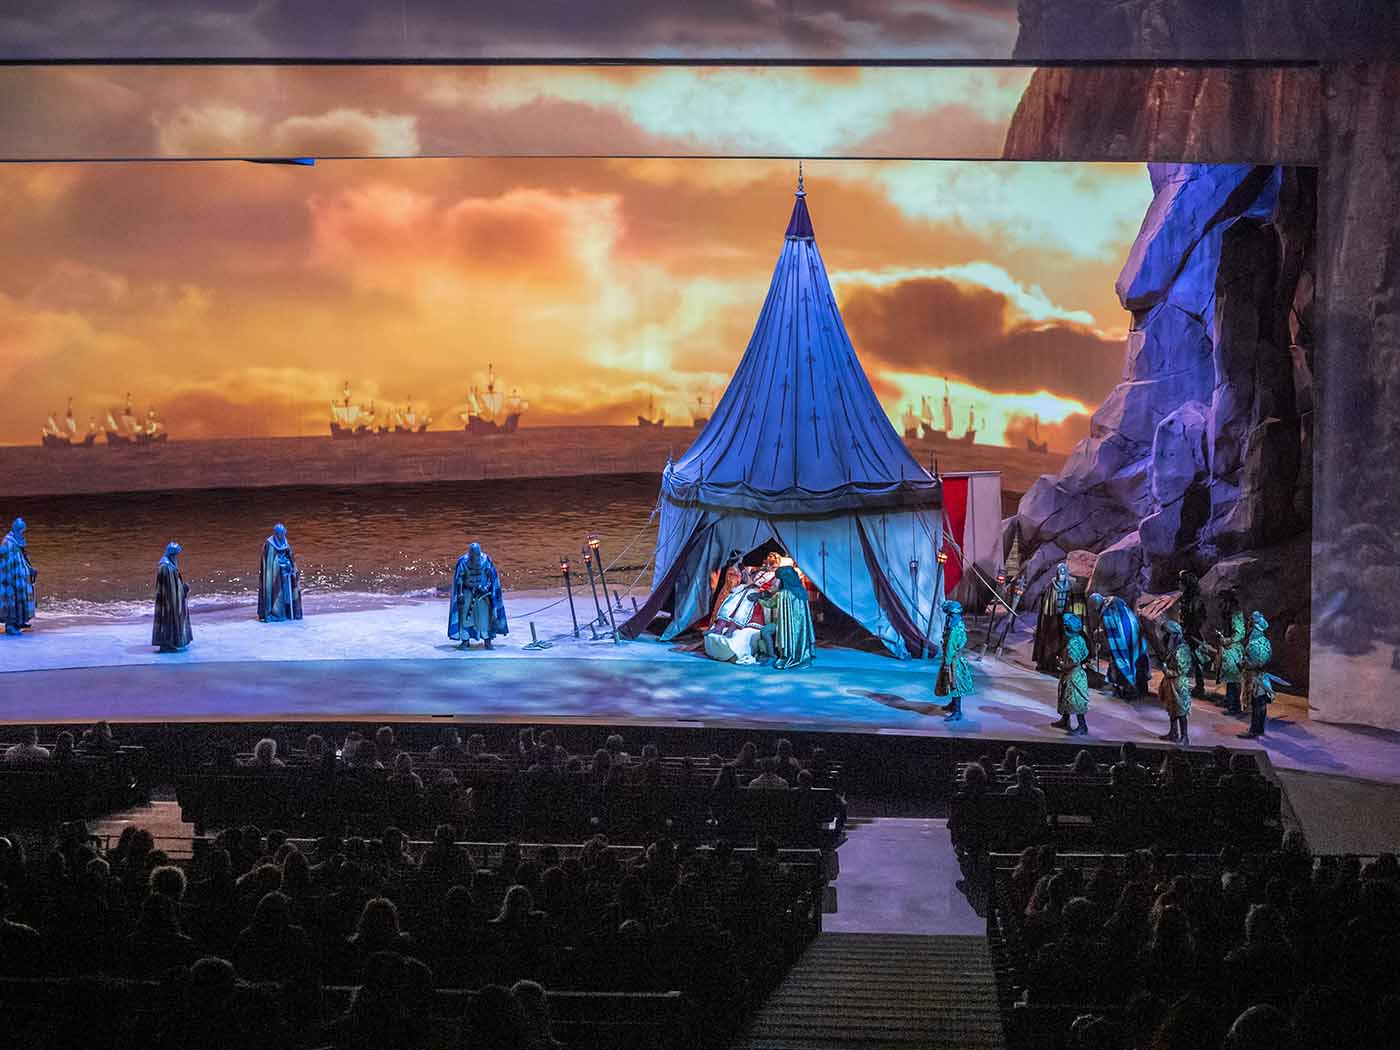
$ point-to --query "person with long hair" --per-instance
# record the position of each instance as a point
(789, 638)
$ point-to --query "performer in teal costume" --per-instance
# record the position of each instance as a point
(954, 679)
(1174, 691)
(1258, 683)
(17, 578)
(1074, 679)
(279, 583)
(477, 611)
(1231, 660)
(171, 631)
(788, 636)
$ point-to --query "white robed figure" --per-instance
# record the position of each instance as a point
(733, 633)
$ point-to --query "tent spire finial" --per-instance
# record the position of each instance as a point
(800, 191)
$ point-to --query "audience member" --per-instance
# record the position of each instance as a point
(768, 778)
(27, 752)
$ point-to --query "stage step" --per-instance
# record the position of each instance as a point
(868, 991)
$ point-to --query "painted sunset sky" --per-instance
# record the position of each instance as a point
(237, 298)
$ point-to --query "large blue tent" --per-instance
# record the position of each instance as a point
(799, 451)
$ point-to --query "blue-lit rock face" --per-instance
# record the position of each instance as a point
(1195, 456)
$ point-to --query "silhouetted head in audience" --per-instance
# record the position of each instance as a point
(1263, 1027)
(211, 981)
(747, 757)
(1092, 1032)
(1025, 777)
(493, 1021)
(975, 780)
(534, 1007)
(614, 745)
(64, 747)
(378, 925)
(265, 752)
(805, 779)
(1084, 762)
(315, 749)
(273, 914)
(516, 906)
(384, 745)
(169, 881)
(1128, 753)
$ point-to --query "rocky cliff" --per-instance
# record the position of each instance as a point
(1172, 113)
(1196, 460)
(1344, 114)
(1194, 30)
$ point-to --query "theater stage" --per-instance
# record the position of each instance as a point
(391, 660)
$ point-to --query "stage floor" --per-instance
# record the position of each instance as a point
(393, 661)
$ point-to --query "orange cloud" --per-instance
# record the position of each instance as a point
(391, 238)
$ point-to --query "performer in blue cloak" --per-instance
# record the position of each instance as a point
(171, 631)
(279, 583)
(477, 611)
(954, 680)
(17, 578)
(1127, 646)
(789, 636)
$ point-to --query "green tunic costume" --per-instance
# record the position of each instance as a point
(1074, 680)
(1232, 650)
(1175, 690)
(1258, 651)
(790, 625)
(954, 676)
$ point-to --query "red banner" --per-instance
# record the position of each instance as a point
(955, 493)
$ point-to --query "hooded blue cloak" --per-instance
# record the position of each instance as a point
(1127, 645)
(16, 580)
(474, 583)
(171, 629)
(279, 583)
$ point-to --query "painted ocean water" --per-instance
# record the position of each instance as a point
(96, 555)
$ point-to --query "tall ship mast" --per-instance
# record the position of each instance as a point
(490, 411)
(651, 419)
(349, 419)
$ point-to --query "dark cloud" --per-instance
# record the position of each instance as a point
(527, 28)
(939, 327)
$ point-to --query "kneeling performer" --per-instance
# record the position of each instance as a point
(733, 632)
(477, 611)
(279, 584)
